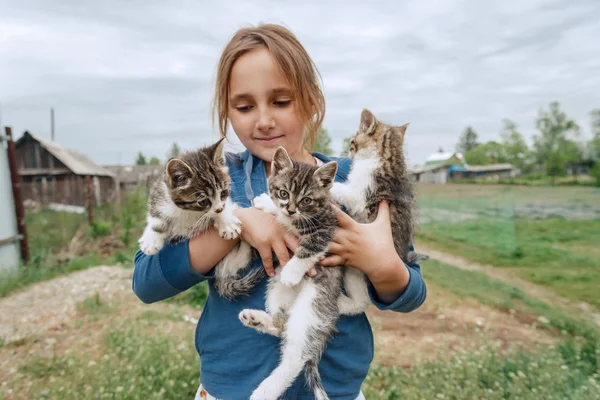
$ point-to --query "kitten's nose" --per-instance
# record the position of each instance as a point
(291, 212)
(218, 210)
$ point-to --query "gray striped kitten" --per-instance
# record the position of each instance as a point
(192, 197)
(301, 310)
(378, 173)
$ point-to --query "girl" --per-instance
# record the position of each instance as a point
(267, 88)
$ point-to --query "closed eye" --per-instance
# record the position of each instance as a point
(282, 103)
(244, 109)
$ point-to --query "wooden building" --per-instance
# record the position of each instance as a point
(52, 174)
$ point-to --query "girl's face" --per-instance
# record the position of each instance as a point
(262, 110)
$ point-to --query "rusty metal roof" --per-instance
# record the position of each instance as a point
(78, 163)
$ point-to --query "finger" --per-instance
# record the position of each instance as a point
(344, 220)
(267, 260)
(281, 252)
(335, 248)
(291, 241)
(312, 272)
(383, 212)
(332, 261)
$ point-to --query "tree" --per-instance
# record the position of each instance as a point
(555, 129)
(154, 161)
(488, 153)
(141, 160)
(467, 141)
(323, 142)
(346, 147)
(516, 150)
(174, 152)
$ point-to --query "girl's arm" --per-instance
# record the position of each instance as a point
(178, 267)
(369, 248)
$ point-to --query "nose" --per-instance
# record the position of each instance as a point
(291, 212)
(265, 122)
(218, 210)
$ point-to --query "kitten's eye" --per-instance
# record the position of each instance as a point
(283, 194)
(224, 194)
(204, 203)
(306, 201)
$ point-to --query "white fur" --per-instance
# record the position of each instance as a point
(352, 194)
(301, 317)
(228, 225)
(151, 242)
(259, 320)
(297, 268)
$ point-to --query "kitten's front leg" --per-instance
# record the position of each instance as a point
(228, 225)
(153, 238)
(298, 266)
(265, 203)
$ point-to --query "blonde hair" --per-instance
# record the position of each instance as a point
(295, 63)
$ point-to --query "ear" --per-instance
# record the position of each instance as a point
(367, 122)
(177, 173)
(219, 152)
(325, 174)
(281, 161)
(401, 130)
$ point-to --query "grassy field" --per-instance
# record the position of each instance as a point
(121, 349)
(61, 242)
(548, 235)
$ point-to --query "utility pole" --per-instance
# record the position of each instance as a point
(52, 124)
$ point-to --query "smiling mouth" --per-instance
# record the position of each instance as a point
(269, 139)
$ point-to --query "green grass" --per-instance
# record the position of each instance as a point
(479, 286)
(50, 233)
(562, 254)
(133, 366)
(564, 372)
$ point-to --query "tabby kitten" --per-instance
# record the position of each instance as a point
(378, 173)
(303, 311)
(192, 197)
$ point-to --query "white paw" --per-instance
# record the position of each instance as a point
(151, 242)
(264, 203)
(291, 274)
(266, 391)
(256, 319)
(229, 228)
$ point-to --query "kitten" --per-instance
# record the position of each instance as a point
(192, 197)
(378, 173)
(301, 310)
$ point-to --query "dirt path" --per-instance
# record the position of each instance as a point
(530, 289)
(47, 313)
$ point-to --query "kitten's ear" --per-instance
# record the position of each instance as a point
(178, 174)
(325, 174)
(367, 122)
(281, 161)
(219, 152)
(401, 130)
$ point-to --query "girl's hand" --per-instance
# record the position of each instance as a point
(366, 247)
(263, 232)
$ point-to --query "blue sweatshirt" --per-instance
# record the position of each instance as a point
(234, 359)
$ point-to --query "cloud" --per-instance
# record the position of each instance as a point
(137, 76)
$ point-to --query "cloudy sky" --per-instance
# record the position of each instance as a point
(137, 75)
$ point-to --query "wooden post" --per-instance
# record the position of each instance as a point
(16, 186)
(90, 199)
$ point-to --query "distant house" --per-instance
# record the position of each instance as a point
(129, 177)
(442, 167)
(52, 174)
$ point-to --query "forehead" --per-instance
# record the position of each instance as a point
(256, 73)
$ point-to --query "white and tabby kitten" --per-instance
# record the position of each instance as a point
(301, 310)
(378, 173)
(192, 197)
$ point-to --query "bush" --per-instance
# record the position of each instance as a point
(100, 228)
